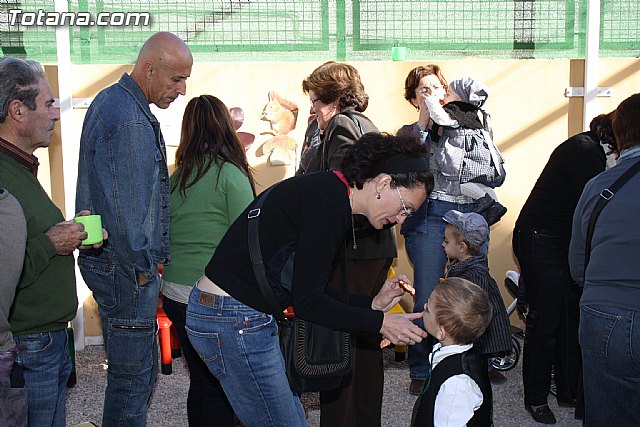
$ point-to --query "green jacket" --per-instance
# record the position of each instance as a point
(46, 297)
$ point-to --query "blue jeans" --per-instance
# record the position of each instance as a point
(47, 364)
(423, 235)
(128, 313)
(610, 345)
(241, 348)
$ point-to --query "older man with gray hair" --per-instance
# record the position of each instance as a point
(45, 298)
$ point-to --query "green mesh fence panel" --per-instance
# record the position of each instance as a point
(33, 42)
(452, 27)
(620, 28)
(299, 30)
(214, 30)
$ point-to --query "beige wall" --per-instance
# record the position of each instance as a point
(531, 116)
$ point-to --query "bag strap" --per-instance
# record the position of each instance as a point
(257, 262)
(256, 256)
(605, 196)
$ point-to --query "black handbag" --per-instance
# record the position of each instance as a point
(316, 357)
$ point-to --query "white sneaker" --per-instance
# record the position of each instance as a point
(514, 276)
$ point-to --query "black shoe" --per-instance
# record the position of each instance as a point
(484, 203)
(542, 414)
(496, 377)
(495, 212)
(416, 387)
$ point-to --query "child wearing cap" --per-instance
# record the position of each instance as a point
(454, 394)
(463, 237)
(468, 162)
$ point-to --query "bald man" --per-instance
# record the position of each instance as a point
(123, 176)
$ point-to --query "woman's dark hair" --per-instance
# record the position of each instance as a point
(625, 123)
(601, 127)
(402, 157)
(207, 136)
(336, 80)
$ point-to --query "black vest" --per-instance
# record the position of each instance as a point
(469, 363)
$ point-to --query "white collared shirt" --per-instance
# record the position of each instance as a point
(459, 396)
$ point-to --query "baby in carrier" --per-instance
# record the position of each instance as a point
(466, 160)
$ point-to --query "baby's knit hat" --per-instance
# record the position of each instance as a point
(470, 91)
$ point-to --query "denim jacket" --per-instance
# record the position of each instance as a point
(123, 176)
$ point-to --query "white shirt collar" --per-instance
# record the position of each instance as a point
(440, 352)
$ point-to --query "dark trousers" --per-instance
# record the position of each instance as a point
(551, 338)
(207, 405)
(358, 400)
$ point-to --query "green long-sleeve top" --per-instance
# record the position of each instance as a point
(200, 218)
(46, 297)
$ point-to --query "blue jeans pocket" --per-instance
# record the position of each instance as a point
(99, 275)
(35, 343)
(130, 345)
(255, 323)
(208, 346)
(595, 332)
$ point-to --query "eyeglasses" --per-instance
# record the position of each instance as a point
(313, 101)
(428, 90)
(406, 212)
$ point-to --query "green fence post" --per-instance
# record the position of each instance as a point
(341, 30)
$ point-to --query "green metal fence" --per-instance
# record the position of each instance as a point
(288, 30)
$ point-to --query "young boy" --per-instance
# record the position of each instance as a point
(468, 161)
(463, 237)
(456, 314)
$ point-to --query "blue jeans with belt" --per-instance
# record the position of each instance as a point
(46, 364)
(423, 235)
(610, 342)
(241, 348)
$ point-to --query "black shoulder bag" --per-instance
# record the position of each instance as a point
(316, 358)
(605, 196)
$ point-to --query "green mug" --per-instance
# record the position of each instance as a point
(93, 227)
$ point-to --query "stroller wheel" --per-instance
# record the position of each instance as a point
(509, 360)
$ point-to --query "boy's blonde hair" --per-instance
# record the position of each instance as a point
(461, 308)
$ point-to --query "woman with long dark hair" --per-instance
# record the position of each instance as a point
(211, 186)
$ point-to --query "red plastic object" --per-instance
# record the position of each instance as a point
(164, 337)
(288, 312)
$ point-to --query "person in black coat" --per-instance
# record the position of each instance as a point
(541, 244)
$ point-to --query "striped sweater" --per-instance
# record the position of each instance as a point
(497, 337)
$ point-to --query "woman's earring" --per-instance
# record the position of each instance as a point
(378, 196)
